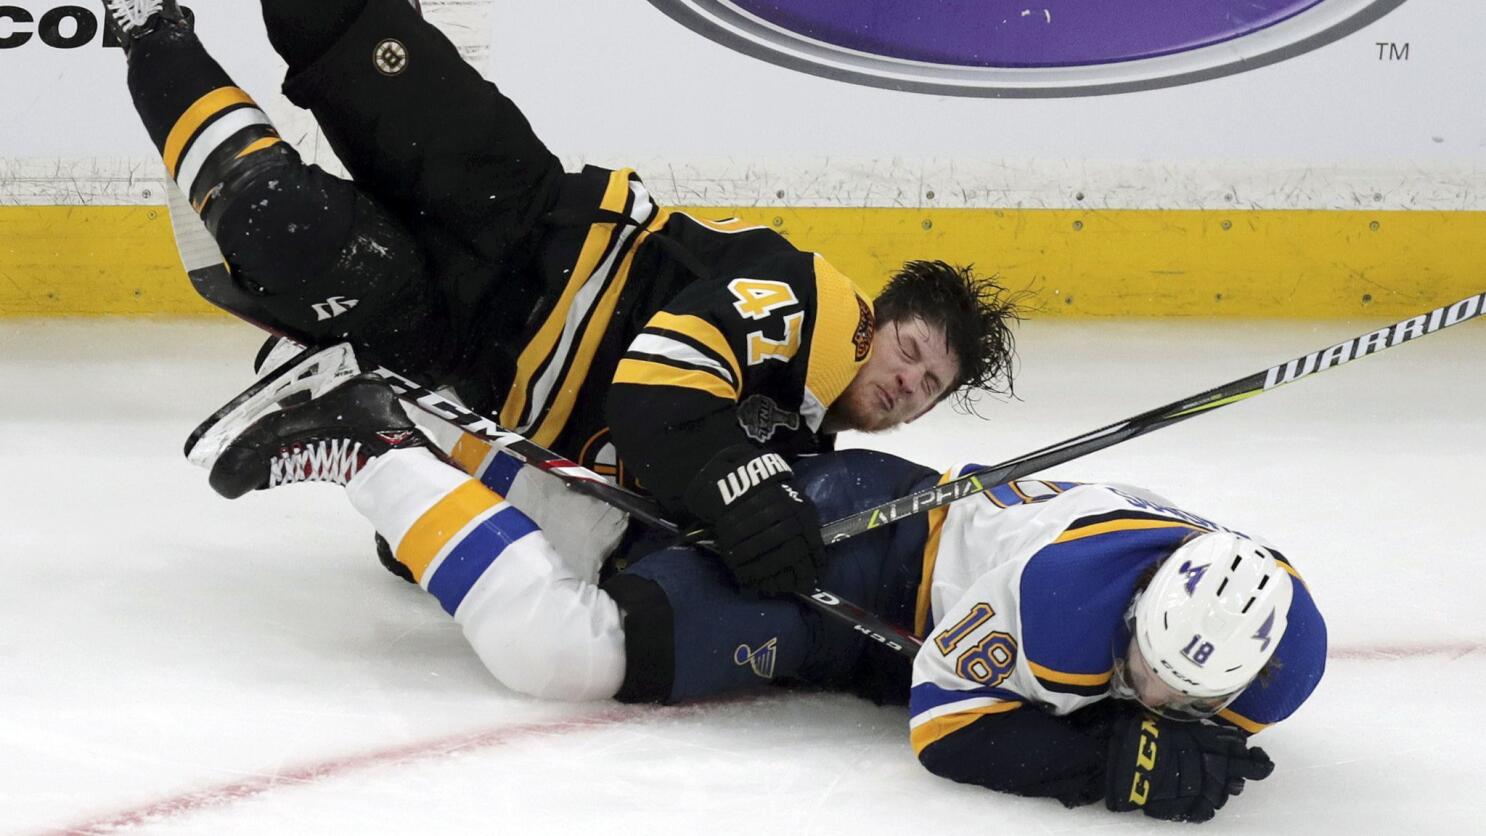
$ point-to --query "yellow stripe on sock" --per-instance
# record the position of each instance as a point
(195, 116)
(430, 535)
(470, 454)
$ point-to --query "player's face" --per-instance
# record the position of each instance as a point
(1135, 679)
(910, 369)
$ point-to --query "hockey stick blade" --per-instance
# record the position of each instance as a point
(207, 269)
(984, 478)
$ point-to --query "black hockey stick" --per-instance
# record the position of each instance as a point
(206, 268)
(644, 508)
(985, 478)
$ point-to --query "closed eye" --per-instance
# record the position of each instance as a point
(904, 348)
(910, 351)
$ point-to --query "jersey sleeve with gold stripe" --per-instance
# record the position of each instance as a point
(1026, 591)
(654, 332)
(753, 356)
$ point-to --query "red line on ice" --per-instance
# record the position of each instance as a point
(1386, 652)
(237, 791)
(191, 802)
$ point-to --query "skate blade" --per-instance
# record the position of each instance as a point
(311, 374)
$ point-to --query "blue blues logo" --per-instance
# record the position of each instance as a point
(1194, 574)
(1262, 635)
(1045, 48)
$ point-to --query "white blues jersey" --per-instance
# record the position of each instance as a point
(1024, 593)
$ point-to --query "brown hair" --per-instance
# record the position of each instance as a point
(974, 312)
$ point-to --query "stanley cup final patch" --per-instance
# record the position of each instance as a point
(390, 57)
(760, 660)
(759, 417)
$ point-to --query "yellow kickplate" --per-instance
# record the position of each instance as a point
(90, 261)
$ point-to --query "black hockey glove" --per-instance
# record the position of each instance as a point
(766, 531)
(1178, 771)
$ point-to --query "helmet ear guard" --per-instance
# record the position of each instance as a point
(1213, 614)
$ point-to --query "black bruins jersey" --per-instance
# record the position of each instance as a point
(668, 338)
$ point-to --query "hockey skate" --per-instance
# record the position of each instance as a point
(130, 20)
(330, 438)
(275, 352)
(307, 375)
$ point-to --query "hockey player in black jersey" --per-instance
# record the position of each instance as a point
(684, 356)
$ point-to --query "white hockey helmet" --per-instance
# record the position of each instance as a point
(1211, 617)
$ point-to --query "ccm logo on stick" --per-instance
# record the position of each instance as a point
(1009, 48)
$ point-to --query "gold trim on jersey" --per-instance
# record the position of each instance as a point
(723, 224)
(429, 537)
(1243, 722)
(936, 518)
(700, 330)
(551, 426)
(1121, 525)
(195, 116)
(1294, 574)
(542, 344)
(834, 359)
(647, 373)
(921, 736)
(1081, 679)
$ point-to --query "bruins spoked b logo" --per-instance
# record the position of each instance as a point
(390, 57)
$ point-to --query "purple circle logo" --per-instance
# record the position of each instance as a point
(1026, 48)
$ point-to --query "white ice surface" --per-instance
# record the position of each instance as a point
(171, 662)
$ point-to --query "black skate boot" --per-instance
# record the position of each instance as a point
(329, 439)
(130, 20)
(305, 376)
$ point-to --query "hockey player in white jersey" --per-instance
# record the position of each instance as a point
(1045, 599)
(1038, 602)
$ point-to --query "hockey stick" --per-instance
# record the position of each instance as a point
(644, 508)
(984, 478)
(206, 268)
(204, 264)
